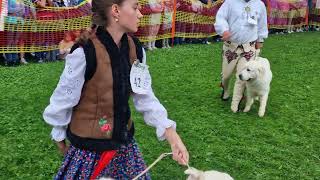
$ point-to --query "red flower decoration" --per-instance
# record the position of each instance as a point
(105, 128)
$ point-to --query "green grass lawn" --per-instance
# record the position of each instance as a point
(282, 145)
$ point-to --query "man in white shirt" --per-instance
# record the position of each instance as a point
(243, 27)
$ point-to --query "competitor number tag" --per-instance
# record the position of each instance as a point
(139, 78)
(252, 20)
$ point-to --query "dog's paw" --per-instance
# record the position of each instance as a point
(234, 109)
(246, 109)
(261, 113)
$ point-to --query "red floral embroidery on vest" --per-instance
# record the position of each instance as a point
(104, 125)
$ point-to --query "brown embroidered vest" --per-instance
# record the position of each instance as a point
(93, 117)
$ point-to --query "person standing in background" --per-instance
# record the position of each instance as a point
(156, 7)
(167, 22)
(14, 20)
(243, 27)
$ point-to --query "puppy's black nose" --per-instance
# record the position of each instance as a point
(240, 76)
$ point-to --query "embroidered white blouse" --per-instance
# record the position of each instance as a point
(67, 95)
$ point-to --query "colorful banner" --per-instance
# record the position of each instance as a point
(42, 29)
(285, 13)
(314, 12)
(3, 13)
(192, 19)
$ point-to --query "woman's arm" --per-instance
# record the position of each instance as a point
(155, 115)
(66, 95)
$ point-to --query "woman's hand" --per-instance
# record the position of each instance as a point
(62, 147)
(179, 150)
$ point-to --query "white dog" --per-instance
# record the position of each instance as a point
(258, 76)
(195, 174)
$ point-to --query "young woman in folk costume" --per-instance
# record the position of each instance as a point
(156, 7)
(90, 103)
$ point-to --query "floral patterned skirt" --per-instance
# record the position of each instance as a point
(80, 164)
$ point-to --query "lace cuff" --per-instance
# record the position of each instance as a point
(161, 128)
(58, 133)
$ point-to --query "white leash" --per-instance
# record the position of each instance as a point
(154, 163)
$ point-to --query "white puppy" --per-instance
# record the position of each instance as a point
(258, 76)
(195, 174)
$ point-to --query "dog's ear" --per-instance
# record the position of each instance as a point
(261, 70)
(193, 173)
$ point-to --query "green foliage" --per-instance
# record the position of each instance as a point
(282, 145)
